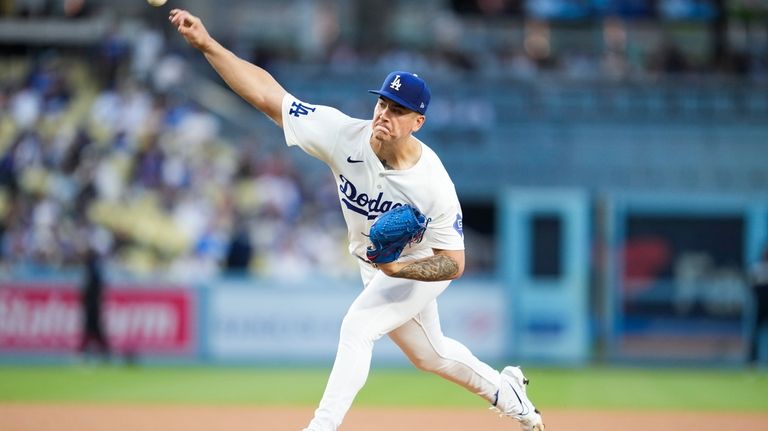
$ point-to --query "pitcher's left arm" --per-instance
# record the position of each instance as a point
(443, 265)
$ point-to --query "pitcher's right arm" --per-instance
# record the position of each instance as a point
(254, 84)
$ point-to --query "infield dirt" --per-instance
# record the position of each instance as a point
(112, 417)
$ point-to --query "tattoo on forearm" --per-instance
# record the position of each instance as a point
(433, 268)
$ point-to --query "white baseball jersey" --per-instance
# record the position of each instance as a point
(366, 189)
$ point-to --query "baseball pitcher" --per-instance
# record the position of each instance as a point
(405, 227)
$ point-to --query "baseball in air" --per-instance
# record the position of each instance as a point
(156, 3)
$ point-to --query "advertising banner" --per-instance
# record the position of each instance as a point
(45, 317)
(302, 324)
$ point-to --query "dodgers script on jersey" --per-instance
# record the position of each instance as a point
(366, 189)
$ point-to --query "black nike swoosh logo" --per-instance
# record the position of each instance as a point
(349, 160)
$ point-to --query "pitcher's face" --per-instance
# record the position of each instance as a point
(392, 121)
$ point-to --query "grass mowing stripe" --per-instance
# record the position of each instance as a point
(160, 384)
(710, 390)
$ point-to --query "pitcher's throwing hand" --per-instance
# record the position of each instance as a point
(191, 28)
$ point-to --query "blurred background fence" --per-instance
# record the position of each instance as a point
(611, 157)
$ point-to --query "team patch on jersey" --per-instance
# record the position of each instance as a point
(298, 109)
(459, 225)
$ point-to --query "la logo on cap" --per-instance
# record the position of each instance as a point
(406, 89)
(395, 85)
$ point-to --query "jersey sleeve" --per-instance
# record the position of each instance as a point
(445, 230)
(313, 128)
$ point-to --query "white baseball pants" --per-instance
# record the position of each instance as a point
(406, 310)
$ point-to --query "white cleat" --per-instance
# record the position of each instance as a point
(512, 400)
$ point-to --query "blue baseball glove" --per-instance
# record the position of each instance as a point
(393, 230)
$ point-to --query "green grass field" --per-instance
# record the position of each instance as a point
(599, 388)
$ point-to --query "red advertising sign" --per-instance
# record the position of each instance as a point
(48, 317)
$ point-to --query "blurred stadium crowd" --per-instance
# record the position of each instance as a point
(100, 149)
(616, 39)
(93, 160)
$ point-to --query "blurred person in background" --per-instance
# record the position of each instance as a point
(93, 337)
(759, 283)
(239, 251)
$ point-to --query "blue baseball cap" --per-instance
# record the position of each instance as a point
(406, 89)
